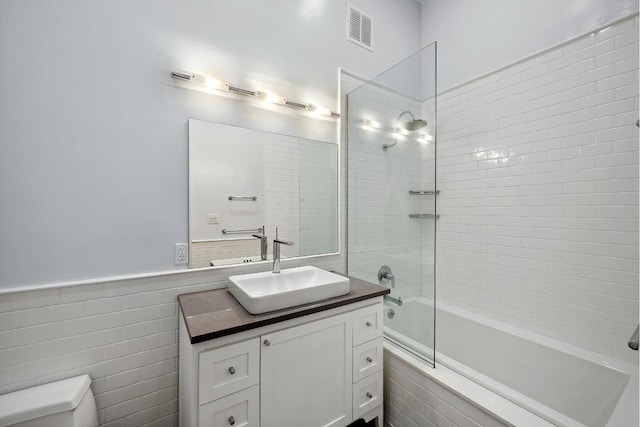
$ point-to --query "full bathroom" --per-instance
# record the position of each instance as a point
(319, 213)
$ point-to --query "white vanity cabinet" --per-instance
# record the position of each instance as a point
(305, 375)
(322, 369)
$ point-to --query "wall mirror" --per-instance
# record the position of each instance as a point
(245, 182)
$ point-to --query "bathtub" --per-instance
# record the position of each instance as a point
(560, 384)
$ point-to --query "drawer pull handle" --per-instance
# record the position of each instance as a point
(267, 343)
(232, 420)
(232, 370)
(369, 395)
(369, 324)
(369, 359)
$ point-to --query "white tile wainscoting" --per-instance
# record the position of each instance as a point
(123, 333)
(413, 399)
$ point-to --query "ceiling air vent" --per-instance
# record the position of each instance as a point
(359, 28)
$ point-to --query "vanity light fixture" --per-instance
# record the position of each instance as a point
(210, 83)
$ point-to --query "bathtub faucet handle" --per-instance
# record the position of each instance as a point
(385, 276)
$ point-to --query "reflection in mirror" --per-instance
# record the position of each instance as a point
(243, 183)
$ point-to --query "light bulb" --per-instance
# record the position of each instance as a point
(276, 99)
(209, 82)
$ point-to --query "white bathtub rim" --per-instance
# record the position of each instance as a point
(601, 359)
(489, 402)
(626, 406)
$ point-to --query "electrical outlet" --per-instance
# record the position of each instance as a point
(212, 218)
(181, 254)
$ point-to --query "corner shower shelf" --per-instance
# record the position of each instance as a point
(426, 216)
(424, 193)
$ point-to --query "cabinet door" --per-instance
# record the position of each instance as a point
(305, 375)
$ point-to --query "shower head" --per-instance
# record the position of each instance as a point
(413, 124)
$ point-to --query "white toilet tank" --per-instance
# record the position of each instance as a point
(65, 403)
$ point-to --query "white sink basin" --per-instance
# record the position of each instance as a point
(263, 292)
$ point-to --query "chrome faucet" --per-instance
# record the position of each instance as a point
(264, 243)
(276, 252)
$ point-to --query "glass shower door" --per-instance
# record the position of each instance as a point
(391, 195)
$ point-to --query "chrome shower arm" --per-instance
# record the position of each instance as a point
(406, 112)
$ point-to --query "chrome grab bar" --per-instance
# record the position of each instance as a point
(397, 301)
(253, 230)
(243, 198)
(633, 341)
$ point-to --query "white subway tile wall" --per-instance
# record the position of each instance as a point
(411, 399)
(538, 172)
(282, 190)
(318, 181)
(380, 229)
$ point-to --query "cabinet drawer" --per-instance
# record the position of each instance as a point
(367, 324)
(367, 395)
(228, 369)
(240, 409)
(367, 359)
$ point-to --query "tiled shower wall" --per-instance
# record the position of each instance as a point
(380, 230)
(538, 172)
(301, 188)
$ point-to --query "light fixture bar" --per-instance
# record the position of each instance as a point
(182, 76)
(295, 104)
(241, 91)
(200, 80)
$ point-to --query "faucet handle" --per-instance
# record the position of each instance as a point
(283, 242)
(385, 276)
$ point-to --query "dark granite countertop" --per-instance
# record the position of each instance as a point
(216, 313)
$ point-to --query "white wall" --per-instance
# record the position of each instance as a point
(477, 37)
(538, 173)
(93, 133)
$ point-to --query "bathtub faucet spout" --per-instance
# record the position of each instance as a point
(397, 301)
